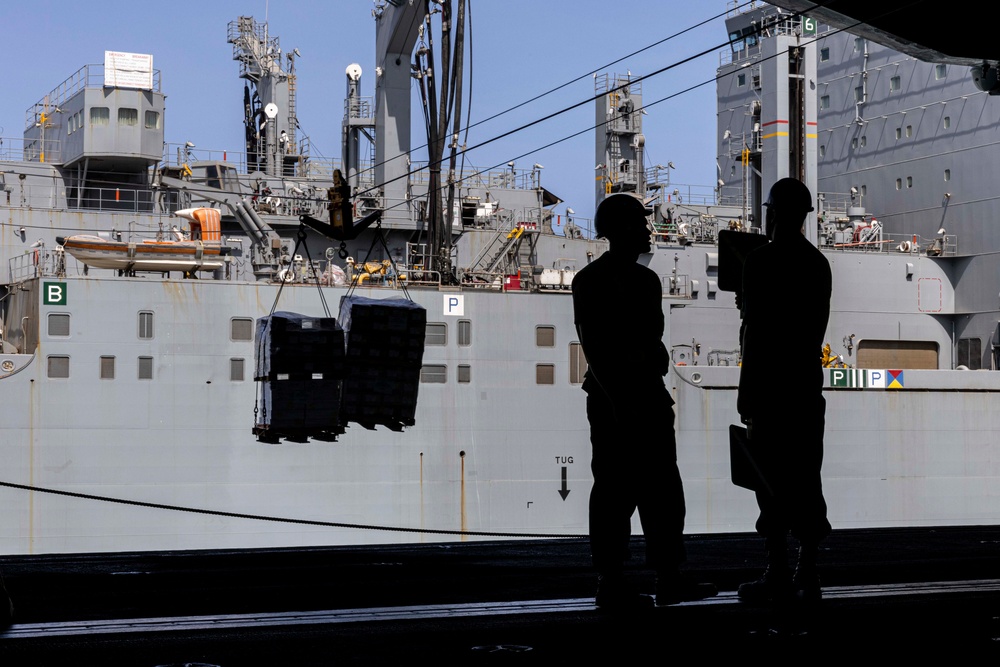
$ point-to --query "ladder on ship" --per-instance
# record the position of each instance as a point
(509, 250)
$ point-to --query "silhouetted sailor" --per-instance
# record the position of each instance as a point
(619, 317)
(786, 306)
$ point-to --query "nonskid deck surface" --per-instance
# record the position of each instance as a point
(910, 589)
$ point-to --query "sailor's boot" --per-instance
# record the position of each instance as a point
(775, 585)
(806, 578)
(616, 595)
(674, 587)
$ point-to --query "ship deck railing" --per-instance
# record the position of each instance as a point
(40, 262)
(695, 195)
(945, 245)
(677, 286)
(707, 232)
(311, 167)
(420, 276)
(52, 195)
(491, 280)
(20, 149)
(495, 179)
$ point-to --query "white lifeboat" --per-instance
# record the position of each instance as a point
(202, 250)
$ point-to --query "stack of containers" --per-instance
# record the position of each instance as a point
(385, 348)
(300, 363)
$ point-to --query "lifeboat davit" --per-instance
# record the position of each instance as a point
(200, 249)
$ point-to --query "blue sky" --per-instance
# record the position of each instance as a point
(521, 48)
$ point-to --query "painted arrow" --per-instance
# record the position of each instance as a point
(564, 491)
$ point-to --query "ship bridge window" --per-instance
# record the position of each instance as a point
(824, 54)
(464, 333)
(152, 120)
(969, 353)
(58, 366)
(902, 354)
(100, 115)
(145, 368)
(577, 363)
(58, 324)
(212, 173)
(545, 374)
(107, 368)
(436, 334)
(237, 371)
(145, 324)
(741, 79)
(128, 117)
(464, 373)
(434, 373)
(241, 328)
(743, 39)
(545, 335)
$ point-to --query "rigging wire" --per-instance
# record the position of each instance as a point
(278, 519)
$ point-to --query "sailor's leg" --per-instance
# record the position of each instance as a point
(660, 497)
(612, 500)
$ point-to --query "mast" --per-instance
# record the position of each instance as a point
(269, 94)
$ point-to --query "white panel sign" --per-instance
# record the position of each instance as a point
(454, 304)
(128, 70)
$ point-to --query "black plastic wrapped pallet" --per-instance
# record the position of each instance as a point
(300, 363)
(385, 345)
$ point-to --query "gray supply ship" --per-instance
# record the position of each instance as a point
(136, 275)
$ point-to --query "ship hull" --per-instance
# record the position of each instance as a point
(170, 462)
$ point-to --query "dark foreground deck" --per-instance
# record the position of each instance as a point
(887, 592)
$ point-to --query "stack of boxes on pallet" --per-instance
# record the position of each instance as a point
(385, 348)
(317, 376)
(300, 363)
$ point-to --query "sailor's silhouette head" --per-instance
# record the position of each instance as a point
(621, 219)
(787, 205)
